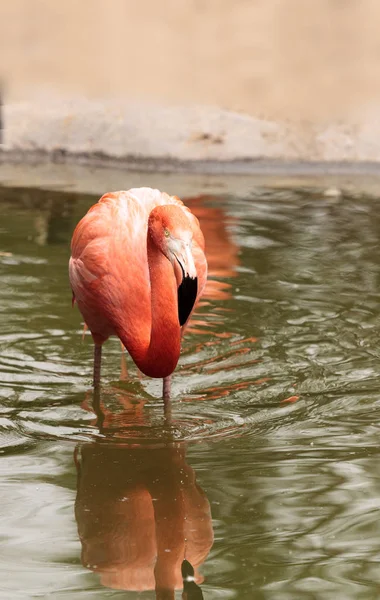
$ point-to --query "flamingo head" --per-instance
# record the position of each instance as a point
(171, 232)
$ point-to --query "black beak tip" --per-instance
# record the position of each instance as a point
(187, 295)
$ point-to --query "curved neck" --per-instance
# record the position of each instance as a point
(156, 345)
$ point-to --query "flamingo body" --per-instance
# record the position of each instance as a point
(137, 270)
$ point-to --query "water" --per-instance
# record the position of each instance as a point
(267, 477)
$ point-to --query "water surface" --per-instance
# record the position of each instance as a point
(267, 477)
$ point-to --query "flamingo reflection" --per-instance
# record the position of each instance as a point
(140, 512)
(221, 250)
(222, 258)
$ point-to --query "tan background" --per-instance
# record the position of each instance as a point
(305, 63)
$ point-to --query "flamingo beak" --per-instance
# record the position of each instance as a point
(181, 256)
(187, 281)
(187, 261)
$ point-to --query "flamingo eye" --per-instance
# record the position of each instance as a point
(166, 232)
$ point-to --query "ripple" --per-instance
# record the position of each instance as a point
(276, 398)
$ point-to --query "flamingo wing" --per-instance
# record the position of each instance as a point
(109, 257)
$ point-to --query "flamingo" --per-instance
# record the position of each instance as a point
(137, 270)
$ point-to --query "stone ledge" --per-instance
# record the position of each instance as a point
(173, 138)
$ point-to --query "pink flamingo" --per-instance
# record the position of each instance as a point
(137, 270)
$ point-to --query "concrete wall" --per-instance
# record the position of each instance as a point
(192, 79)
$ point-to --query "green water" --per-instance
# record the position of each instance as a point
(267, 474)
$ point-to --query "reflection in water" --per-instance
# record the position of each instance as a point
(222, 258)
(140, 513)
(221, 251)
(191, 591)
(53, 225)
(51, 211)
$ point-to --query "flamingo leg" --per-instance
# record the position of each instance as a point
(123, 366)
(166, 388)
(166, 397)
(97, 363)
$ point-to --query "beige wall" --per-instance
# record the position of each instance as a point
(269, 58)
(300, 61)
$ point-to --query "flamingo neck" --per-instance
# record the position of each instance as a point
(156, 349)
